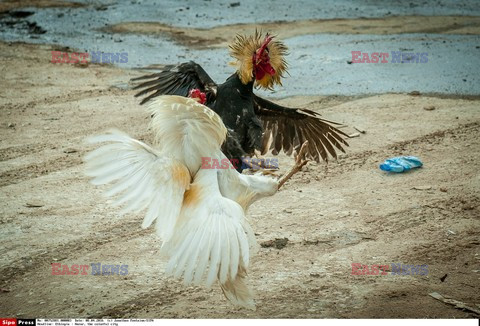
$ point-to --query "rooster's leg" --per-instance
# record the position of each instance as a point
(299, 163)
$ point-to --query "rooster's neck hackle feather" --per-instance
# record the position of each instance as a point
(186, 129)
(242, 50)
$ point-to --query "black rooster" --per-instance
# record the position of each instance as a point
(253, 123)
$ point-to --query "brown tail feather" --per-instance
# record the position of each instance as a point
(238, 292)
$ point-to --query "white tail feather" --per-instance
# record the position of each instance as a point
(211, 240)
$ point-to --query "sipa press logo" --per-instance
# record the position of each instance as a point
(396, 269)
(96, 269)
(17, 321)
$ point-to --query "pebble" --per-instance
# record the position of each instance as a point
(33, 204)
(422, 187)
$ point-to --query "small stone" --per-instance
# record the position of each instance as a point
(33, 204)
(443, 189)
(414, 93)
(11, 125)
(360, 130)
(429, 108)
(70, 150)
(277, 243)
(422, 187)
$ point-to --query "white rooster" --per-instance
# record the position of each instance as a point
(199, 213)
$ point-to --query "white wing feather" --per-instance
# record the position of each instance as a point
(140, 178)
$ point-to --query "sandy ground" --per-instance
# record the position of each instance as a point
(332, 215)
(335, 215)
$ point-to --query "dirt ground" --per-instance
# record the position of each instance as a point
(333, 215)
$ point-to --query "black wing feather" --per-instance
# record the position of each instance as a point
(176, 80)
(289, 128)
